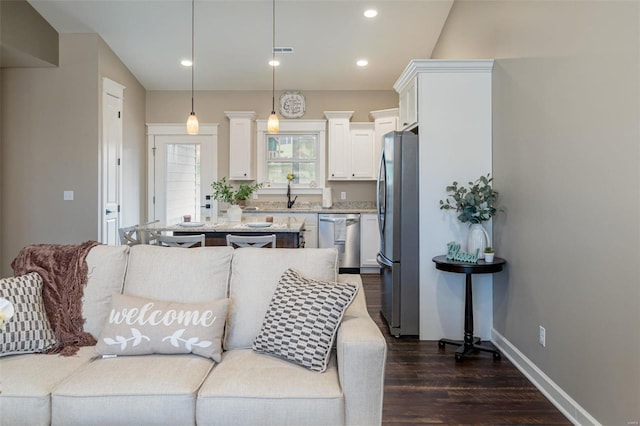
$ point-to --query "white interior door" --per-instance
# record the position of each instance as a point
(181, 170)
(111, 178)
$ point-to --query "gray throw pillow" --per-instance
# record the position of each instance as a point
(27, 330)
(303, 318)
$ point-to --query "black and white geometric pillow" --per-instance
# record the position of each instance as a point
(28, 330)
(302, 319)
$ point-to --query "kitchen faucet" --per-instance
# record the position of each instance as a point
(290, 202)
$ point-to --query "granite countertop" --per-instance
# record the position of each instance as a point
(280, 224)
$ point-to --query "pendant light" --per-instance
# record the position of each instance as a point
(192, 121)
(273, 124)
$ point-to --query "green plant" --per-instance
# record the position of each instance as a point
(224, 191)
(488, 250)
(474, 204)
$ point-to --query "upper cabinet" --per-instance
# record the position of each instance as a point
(241, 145)
(351, 148)
(339, 147)
(385, 121)
(362, 144)
(408, 95)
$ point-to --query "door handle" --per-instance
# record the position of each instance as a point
(109, 211)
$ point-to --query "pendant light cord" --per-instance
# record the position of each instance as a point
(193, 62)
(273, 59)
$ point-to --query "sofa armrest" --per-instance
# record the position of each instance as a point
(362, 353)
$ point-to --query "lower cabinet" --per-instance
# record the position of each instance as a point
(369, 243)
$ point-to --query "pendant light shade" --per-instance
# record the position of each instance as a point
(273, 124)
(192, 122)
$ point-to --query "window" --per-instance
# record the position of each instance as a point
(299, 149)
(295, 154)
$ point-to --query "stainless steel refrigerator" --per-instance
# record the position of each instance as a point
(398, 202)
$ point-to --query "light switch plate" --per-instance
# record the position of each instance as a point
(67, 196)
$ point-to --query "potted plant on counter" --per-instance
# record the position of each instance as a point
(474, 205)
(227, 193)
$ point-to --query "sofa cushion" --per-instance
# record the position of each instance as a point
(248, 388)
(176, 274)
(106, 268)
(140, 326)
(27, 329)
(255, 275)
(302, 319)
(27, 383)
(132, 390)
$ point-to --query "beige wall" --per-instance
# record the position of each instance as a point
(27, 38)
(174, 107)
(566, 162)
(1, 234)
(50, 136)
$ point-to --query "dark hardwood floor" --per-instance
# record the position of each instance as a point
(425, 385)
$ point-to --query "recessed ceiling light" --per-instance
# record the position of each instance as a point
(274, 62)
(370, 13)
(186, 63)
(362, 62)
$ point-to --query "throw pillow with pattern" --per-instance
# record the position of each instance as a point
(27, 329)
(303, 318)
(140, 326)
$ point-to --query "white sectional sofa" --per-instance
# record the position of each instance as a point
(245, 388)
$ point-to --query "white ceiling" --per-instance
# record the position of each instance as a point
(233, 40)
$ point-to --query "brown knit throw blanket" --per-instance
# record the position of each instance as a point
(64, 270)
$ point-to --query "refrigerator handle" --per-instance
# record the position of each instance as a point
(383, 262)
(379, 201)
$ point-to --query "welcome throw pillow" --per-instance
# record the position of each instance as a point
(140, 326)
(303, 318)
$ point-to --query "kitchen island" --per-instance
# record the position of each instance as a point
(288, 230)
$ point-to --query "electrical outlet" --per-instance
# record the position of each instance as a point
(343, 195)
(542, 337)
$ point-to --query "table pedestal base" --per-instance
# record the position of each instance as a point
(466, 349)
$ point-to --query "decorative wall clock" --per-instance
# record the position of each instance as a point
(292, 105)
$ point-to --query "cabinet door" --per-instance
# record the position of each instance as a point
(369, 240)
(382, 127)
(241, 146)
(362, 153)
(409, 105)
(339, 149)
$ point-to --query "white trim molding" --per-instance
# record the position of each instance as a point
(554, 393)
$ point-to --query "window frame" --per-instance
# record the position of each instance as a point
(316, 127)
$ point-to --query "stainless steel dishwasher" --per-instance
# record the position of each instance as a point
(341, 231)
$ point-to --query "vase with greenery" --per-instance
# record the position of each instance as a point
(474, 204)
(225, 192)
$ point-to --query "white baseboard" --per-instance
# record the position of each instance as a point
(563, 402)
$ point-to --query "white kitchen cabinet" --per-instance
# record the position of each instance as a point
(310, 230)
(339, 148)
(369, 243)
(409, 104)
(362, 151)
(351, 148)
(241, 145)
(385, 121)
